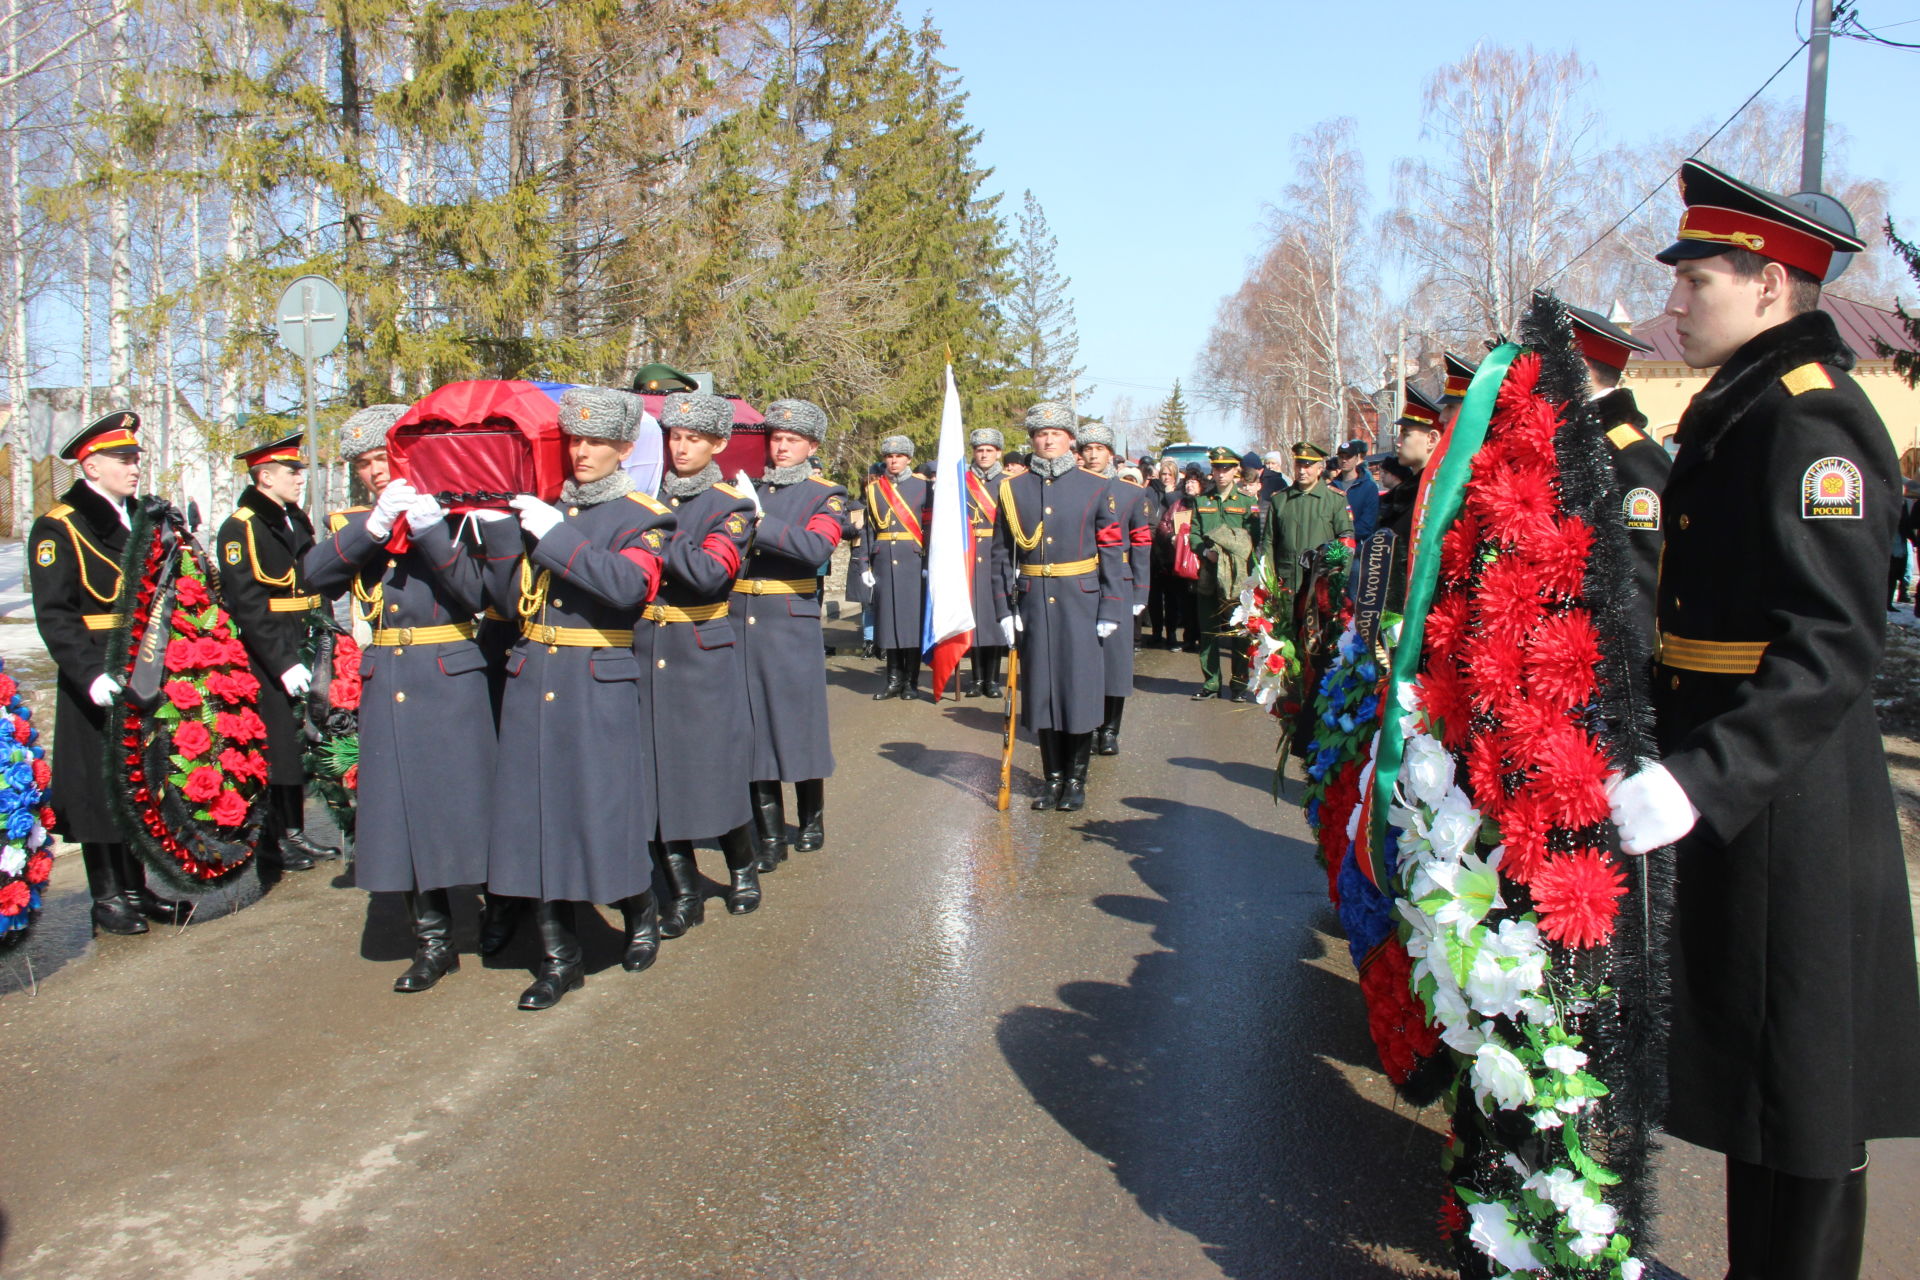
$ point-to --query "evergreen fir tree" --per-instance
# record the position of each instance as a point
(1171, 426)
(1041, 328)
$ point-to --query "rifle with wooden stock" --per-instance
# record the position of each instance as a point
(1007, 742)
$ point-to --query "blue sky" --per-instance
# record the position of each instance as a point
(1155, 135)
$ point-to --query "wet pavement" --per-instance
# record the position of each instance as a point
(954, 1043)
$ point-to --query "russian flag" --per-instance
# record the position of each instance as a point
(947, 626)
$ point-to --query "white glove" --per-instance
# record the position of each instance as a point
(1139, 609)
(1019, 623)
(1649, 809)
(389, 507)
(1105, 629)
(296, 680)
(745, 486)
(487, 515)
(1006, 631)
(424, 512)
(103, 690)
(536, 517)
(866, 578)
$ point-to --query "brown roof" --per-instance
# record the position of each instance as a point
(1859, 325)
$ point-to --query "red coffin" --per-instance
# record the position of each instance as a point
(475, 444)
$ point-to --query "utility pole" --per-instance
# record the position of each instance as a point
(1813, 140)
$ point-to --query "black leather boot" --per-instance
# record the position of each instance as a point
(743, 895)
(1052, 769)
(560, 969)
(896, 677)
(990, 663)
(1107, 738)
(640, 915)
(686, 908)
(297, 840)
(113, 910)
(133, 878)
(499, 920)
(811, 798)
(1077, 748)
(433, 954)
(769, 825)
(910, 674)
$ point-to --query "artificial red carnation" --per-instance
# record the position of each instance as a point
(243, 725)
(1530, 425)
(1446, 627)
(14, 897)
(1523, 830)
(1558, 555)
(1494, 666)
(1514, 502)
(47, 819)
(191, 739)
(39, 867)
(42, 775)
(1484, 770)
(228, 809)
(1522, 376)
(1506, 605)
(1336, 807)
(1453, 1216)
(203, 784)
(1575, 895)
(182, 655)
(1570, 776)
(8, 687)
(1561, 656)
(351, 778)
(191, 592)
(182, 694)
(22, 730)
(1443, 695)
(1459, 550)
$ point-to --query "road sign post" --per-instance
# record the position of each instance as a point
(312, 319)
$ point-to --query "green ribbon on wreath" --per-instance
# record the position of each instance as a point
(1437, 506)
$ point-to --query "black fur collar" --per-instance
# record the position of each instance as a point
(1808, 338)
(96, 511)
(1618, 406)
(271, 513)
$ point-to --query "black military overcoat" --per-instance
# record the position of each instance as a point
(74, 555)
(1796, 1018)
(777, 625)
(573, 800)
(425, 804)
(1134, 506)
(264, 588)
(1640, 466)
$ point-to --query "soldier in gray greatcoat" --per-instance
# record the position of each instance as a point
(983, 508)
(1061, 584)
(426, 714)
(892, 562)
(1133, 505)
(573, 798)
(693, 685)
(776, 621)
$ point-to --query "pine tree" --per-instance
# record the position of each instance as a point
(1905, 363)
(1041, 328)
(1171, 426)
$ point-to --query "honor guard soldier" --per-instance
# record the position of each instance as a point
(76, 583)
(264, 586)
(1795, 1015)
(693, 682)
(1640, 463)
(892, 562)
(573, 799)
(1453, 390)
(1133, 506)
(1061, 583)
(983, 509)
(776, 623)
(424, 804)
(1304, 516)
(1222, 535)
(1420, 432)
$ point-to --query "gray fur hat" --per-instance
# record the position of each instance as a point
(710, 415)
(896, 444)
(1096, 433)
(986, 435)
(596, 413)
(1052, 413)
(366, 430)
(801, 417)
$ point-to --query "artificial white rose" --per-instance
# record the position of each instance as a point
(1547, 1119)
(1631, 1269)
(1588, 1246)
(13, 860)
(1408, 696)
(1559, 1187)
(1428, 770)
(1515, 939)
(1591, 1217)
(1563, 1057)
(1493, 1233)
(1475, 888)
(1494, 989)
(1464, 1038)
(1455, 826)
(1499, 1075)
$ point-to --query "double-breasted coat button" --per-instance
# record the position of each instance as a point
(400, 696)
(662, 663)
(549, 695)
(559, 604)
(573, 511)
(1685, 521)
(1675, 684)
(393, 608)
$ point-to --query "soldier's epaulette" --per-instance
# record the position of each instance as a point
(650, 502)
(337, 520)
(1808, 377)
(822, 480)
(59, 511)
(1625, 434)
(244, 513)
(729, 490)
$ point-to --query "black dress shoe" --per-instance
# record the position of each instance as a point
(298, 840)
(284, 857)
(117, 915)
(1239, 694)
(554, 981)
(431, 963)
(1203, 693)
(160, 910)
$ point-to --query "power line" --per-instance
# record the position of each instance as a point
(1659, 186)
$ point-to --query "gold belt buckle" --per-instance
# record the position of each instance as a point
(406, 635)
(546, 635)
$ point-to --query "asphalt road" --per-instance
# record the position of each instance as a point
(954, 1043)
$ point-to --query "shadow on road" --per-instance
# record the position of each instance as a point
(1219, 1081)
(1244, 772)
(972, 772)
